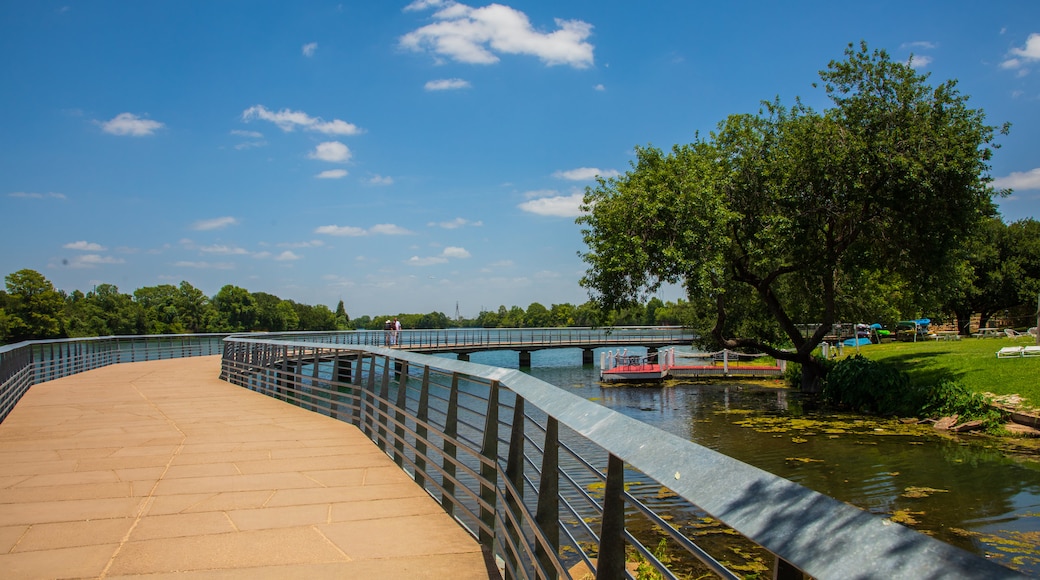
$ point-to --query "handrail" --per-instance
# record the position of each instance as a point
(508, 493)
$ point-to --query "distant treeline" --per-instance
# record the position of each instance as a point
(31, 308)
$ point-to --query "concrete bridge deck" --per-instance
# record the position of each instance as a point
(160, 468)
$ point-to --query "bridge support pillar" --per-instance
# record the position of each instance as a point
(588, 356)
(525, 359)
(463, 356)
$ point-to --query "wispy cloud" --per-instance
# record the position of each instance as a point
(447, 85)
(214, 224)
(554, 205)
(34, 195)
(287, 256)
(455, 224)
(93, 260)
(128, 124)
(450, 252)
(288, 120)
(919, 61)
(332, 174)
(331, 151)
(1019, 180)
(224, 250)
(381, 180)
(84, 246)
(352, 231)
(478, 35)
(585, 174)
(309, 49)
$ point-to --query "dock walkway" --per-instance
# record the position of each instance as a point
(160, 468)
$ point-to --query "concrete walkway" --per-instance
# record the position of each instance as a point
(161, 468)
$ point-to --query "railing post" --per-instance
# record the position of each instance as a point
(451, 431)
(422, 416)
(611, 561)
(515, 475)
(489, 473)
(402, 400)
(547, 512)
(383, 418)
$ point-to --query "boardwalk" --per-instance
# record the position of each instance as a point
(161, 468)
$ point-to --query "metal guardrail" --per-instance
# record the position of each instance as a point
(472, 339)
(28, 363)
(549, 480)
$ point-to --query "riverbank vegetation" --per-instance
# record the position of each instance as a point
(933, 379)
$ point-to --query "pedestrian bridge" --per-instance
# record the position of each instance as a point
(553, 485)
(465, 341)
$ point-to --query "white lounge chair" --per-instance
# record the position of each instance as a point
(1031, 351)
(1012, 333)
(1010, 352)
(1032, 332)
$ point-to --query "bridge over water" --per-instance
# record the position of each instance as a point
(548, 481)
(465, 341)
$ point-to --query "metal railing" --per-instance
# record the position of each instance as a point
(471, 339)
(28, 363)
(553, 482)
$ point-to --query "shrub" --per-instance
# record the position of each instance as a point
(869, 386)
(949, 397)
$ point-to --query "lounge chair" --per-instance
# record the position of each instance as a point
(1031, 351)
(1010, 352)
(1012, 333)
(1032, 332)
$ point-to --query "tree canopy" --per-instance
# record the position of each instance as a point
(793, 216)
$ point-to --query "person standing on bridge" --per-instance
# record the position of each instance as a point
(387, 331)
(395, 330)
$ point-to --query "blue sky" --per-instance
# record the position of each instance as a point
(405, 157)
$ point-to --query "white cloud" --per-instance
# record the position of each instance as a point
(447, 85)
(455, 252)
(332, 174)
(309, 48)
(287, 256)
(84, 246)
(430, 261)
(331, 151)
(1020, 57)
(214, 224)
(34, 195)
(288, 120)
(918, 61)
(599, 87)
(455, 224)
(585, 174)
(389, 230)
(352, 231)
(381, 180)
(477, 35)
(1019, 180)
(559, 205)
(91, 260)
(130, 124)
(224, 250)
(341, 231)
(925, 44)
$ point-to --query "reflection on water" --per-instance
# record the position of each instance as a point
(975, 492)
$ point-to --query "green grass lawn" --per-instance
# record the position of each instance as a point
(970, 361)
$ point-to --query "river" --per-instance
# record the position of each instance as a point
(976, 492)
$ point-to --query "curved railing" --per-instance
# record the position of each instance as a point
(553, 482)
(27, 363)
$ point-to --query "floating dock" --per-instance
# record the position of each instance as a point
(623, 368)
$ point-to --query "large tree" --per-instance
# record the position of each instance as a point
(770, 220)
(35, 309)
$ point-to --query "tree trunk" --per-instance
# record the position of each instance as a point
(812, 377)
(963, 322)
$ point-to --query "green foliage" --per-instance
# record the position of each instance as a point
(794, 215)
(949, 398)
(34, 307)
(868, 386)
